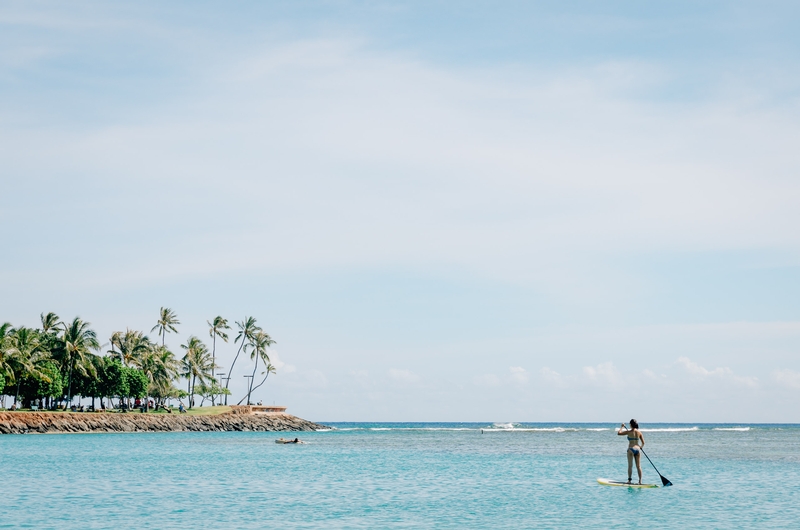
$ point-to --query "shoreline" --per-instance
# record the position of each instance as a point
(18, 422)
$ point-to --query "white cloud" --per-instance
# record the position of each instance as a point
(403, 375)
(280, 366)
(552, 377)
(723, 374)
(787, 378)
(605, 374)
(519, 374)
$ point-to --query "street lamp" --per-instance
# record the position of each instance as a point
(213, 396)
(248, 390)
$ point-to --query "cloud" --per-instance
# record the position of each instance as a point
(552, 377)
(605, 374)
(279, 365)
(723, 374)
(403, 376)
(787, 378)
(519, 374)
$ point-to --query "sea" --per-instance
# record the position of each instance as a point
(404, 475)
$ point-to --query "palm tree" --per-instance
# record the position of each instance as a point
(27, 353)
(196, 364)
(6, 349)
(259, 344)
(50, 323)
(129, 345)
(216, 329)
(247, 329)
(166, 323)
(6, 356)
(161, 368)
(78, 341)
(269, 370)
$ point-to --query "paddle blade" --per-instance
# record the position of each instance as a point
(665, 481)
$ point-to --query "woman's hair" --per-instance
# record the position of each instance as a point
(634, 424)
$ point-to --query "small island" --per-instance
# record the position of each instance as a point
(59, 380)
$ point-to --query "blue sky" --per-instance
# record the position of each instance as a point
(441, 211)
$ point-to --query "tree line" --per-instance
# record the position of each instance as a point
(58, 361)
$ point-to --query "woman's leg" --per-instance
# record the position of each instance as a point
(630, 463)
(638, 465)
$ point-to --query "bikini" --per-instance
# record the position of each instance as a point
(631, 449)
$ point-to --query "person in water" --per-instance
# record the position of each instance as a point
(635, 444)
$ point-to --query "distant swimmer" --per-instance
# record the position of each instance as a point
(635, 444)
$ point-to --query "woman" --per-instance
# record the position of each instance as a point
(635, 444)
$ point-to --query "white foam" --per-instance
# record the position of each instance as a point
(739, 429)
(600, 429)
(323, 430)
(527, 429)
(672, 429)
(441, 429)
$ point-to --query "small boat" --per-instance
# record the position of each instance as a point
(285, 441)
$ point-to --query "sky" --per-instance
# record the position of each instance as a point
(441, 211)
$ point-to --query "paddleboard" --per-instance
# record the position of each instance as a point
(606, 482)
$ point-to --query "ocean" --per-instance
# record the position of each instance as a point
(403, 475)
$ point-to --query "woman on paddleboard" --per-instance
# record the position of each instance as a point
(635, 444)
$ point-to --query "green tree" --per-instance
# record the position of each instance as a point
(45, 383)
(78, 340)
(115, 379)
(196, 365)
(25, 344)
(50, 323)
(209, 391)
(161, 368)
(91, 384)
(216, 328)
(259, 349)
(166, 323)
(138, 382)
(247, 329)
(7, 354)
(129, 346)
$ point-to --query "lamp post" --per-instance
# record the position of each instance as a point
(212, 384)
(248, 388)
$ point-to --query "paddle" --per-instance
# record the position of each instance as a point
(664, 480)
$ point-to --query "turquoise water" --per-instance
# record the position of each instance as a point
(402, 475)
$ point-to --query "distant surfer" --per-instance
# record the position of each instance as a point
(635, 444)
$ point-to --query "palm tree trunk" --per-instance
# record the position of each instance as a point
(69, 387)
(253, 378)
(213, 364)
(262, 382)
(230, 372)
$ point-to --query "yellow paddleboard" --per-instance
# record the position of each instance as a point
(606, 482)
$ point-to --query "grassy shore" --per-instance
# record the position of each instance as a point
(197, 411)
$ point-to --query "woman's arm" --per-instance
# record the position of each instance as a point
(641, 437)
(623, 430)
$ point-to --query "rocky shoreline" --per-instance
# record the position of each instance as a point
(68, 422)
